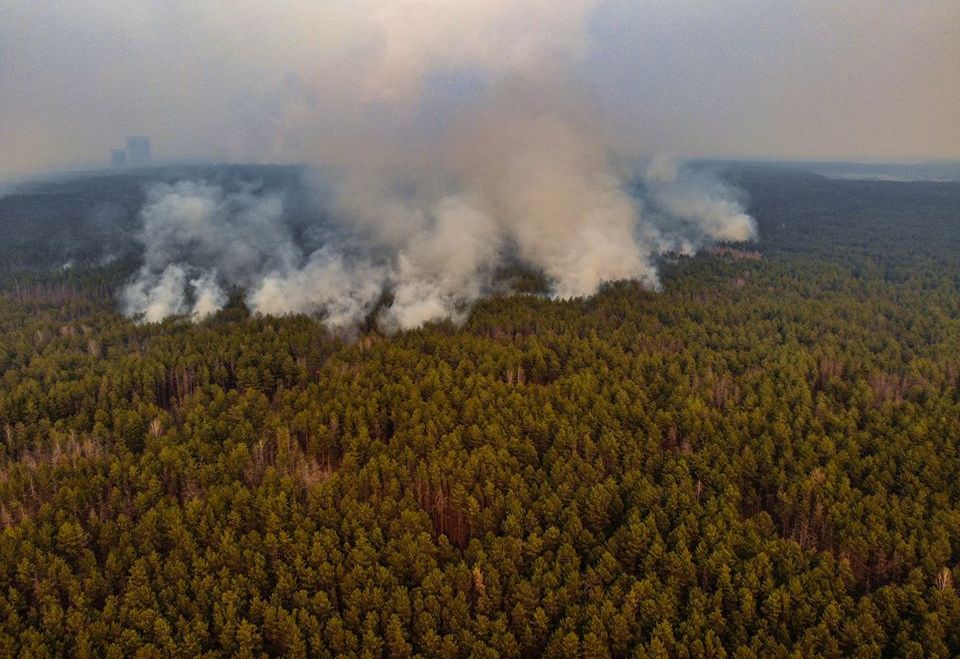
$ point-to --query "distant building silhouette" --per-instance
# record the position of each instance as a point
(118, 157)
(138, 150)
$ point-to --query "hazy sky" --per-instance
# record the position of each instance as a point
(310, 80)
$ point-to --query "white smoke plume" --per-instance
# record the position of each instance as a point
(208, 297)
(552, 202)
(703, 202)
(194, 233)
(241, 232)
(466, 142)
(330, 284)
(155, 296)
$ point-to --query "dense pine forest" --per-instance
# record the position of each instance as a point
(762, 459)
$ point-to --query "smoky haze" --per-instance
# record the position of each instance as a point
(290, 80)
(437, 193)
(543, 196)
(455, 135)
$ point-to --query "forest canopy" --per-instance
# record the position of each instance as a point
(758, 460)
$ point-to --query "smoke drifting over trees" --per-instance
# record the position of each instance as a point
(471, 143)
(568, 216)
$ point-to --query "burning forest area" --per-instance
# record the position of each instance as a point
(479, 328)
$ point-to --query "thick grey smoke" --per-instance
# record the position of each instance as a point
(157, 295)
(195, 236)
(466, 141)
(693, 208)
(553, 202)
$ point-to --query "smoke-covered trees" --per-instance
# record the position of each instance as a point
(760, 460)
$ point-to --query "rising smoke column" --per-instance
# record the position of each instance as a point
(467, 138)
(195, 236)
(706, 208)
(554, 189)
(541, 194)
